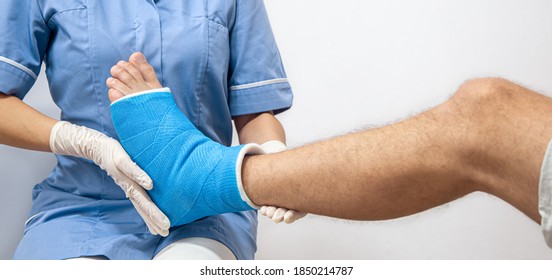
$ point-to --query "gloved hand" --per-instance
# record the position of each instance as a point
(278, 214)
(73, 140)
(194, 176)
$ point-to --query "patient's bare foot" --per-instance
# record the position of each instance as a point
(131, 77)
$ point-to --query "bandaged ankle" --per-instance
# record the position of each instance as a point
(193, 176)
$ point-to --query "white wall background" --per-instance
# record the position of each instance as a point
(359, 63)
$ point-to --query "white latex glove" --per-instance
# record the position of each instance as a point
(276, 214)
(73, 140)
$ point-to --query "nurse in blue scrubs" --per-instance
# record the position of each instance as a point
(222, 64)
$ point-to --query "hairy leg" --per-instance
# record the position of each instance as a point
(490, 136)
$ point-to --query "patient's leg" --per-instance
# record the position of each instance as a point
(490, 136)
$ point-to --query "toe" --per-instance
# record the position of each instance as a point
(147, 71)
(131, 69)
(113, 83)
(114, 95)
(122, 75)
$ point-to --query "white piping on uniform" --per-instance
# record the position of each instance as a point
(20, 66)
(258, 84)
(32, 217)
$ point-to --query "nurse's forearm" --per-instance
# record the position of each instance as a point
(22, 126)
(259, 128)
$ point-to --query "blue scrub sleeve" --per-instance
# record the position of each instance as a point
(23, 40)
(258, 82)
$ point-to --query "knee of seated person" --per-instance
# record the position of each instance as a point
(469, 114)
(483, 92)
(475, 99)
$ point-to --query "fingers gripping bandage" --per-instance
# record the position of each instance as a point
(193, 176)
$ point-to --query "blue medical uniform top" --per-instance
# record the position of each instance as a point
(219, 58)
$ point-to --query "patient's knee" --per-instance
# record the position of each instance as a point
(484, 91)
(474, 109)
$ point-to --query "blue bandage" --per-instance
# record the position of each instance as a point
(193, 176)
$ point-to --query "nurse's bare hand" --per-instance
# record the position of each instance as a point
(109, 155)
